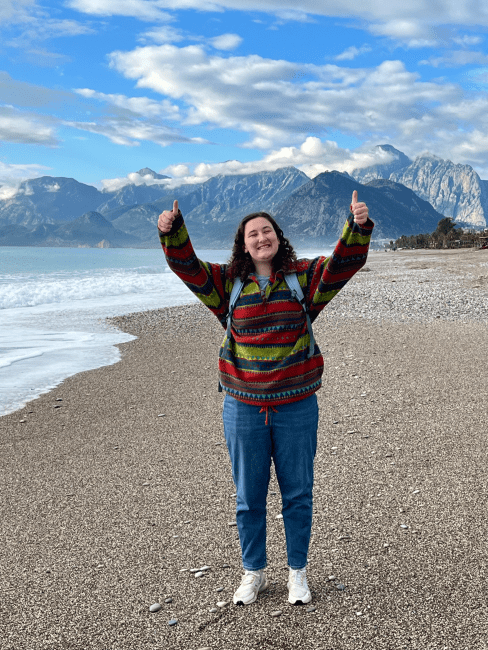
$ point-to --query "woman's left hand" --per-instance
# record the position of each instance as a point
(359, 210)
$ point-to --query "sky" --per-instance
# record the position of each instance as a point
(97, 89)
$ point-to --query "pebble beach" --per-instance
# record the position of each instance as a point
(117, 504)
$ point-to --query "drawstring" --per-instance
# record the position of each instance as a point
(265, 409)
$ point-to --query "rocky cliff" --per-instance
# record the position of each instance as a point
(453, 190)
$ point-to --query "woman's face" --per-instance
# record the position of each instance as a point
(260, 241)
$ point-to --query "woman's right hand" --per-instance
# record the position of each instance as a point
(166, 218)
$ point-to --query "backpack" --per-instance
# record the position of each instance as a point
(296, 291)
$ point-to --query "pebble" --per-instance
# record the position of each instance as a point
(226, 566)
(155, 607)
(415, 491)
(404, 526)
(168, 600)
(444, 297)
(213, 610)
(173, 621)
(278, 612)
(331, 578)
(232, 523)
(312, 608)
(222, 603)
(199, 574)
(219, 589)
(205, 568)
(161, 415)
(279, 517)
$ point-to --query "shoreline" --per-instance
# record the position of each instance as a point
(113, 490)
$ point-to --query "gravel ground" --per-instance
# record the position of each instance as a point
(117, 483)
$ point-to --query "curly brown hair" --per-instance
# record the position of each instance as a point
(240, 263)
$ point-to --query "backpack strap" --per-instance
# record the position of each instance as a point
(297, 292)
(234, 295)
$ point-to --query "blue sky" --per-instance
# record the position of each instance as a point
(97, 89)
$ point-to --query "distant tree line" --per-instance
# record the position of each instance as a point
(446, 235)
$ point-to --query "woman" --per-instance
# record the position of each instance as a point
(268, 373)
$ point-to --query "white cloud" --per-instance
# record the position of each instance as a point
(147, 10)
(132, 120)
(130, 132)
(226, 42)
(396, 18)
(456, 59)
(468, 40)
(25, 128)
(352, 52)
(162, 34)
(276, 101)
(313, 157)
(137, 105)
(177, 171)
(12, 175)
(413, 33)
(15, 11)
(37, 25)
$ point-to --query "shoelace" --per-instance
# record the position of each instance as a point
(298, 577)
(249, 578)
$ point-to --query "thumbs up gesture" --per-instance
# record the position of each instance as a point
(359, 210)
(166, 218)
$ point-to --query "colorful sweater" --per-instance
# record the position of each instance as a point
(266, 362)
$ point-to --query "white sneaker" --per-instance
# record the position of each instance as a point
(298, 591)
(253, 582)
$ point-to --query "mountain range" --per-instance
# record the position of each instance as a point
(405, 197)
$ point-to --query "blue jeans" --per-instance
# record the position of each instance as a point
(288, 435)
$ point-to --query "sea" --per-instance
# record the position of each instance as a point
(53, 306)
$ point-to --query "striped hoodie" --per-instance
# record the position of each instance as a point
(266, 362)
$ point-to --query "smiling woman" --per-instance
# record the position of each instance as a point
(270, 369)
